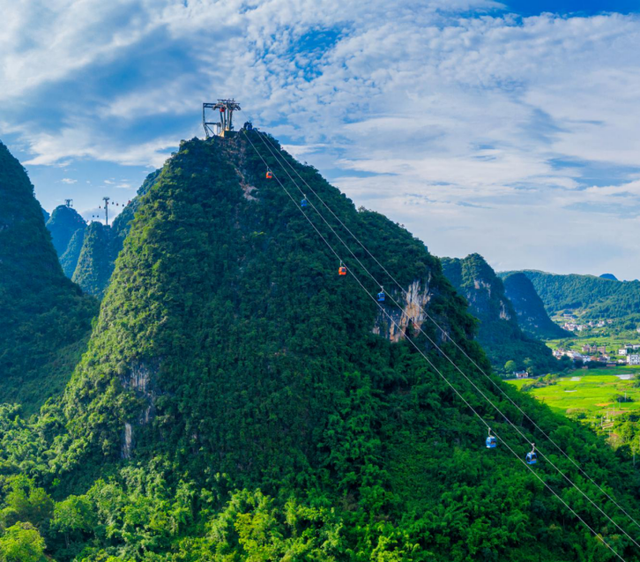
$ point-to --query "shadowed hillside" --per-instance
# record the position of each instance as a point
(532, 315)
(45, 318)
(498, 330)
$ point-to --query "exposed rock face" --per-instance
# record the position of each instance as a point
(127, 444)
(141, 380)
(416, 300)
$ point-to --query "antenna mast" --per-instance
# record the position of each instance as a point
(106, 209)
(69, 202)
(225, 109)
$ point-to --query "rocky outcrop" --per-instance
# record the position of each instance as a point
(415, 301)
(141, 380)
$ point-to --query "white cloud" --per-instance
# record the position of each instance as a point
(473, 125)
(68, 181)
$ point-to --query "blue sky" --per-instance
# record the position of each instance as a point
(509, 129)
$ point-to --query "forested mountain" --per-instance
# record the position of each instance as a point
(69, 259)
(90, 255)
(95, 262)
(532, 316)
(241, 401)
(498, 330)
(63, 224)
(593, 298)
(45, 318)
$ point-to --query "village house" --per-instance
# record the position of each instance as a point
(633, 359)
(594, 349)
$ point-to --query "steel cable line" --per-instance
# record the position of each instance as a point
(622, 530)
(460, 348)
(433, 366)
(448, 337)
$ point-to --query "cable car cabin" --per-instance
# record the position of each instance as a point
(269, 174)
(531, 458)
(342, 270)
(491, 442)
(381, 296)
(304, 203)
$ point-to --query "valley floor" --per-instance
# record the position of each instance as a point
(590, 395)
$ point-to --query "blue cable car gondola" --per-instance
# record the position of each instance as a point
(532, 457)
(491, 441)
(381, 295)
(304, 203)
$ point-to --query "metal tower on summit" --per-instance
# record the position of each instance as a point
(225, 108)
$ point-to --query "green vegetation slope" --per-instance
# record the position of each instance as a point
(590, 297)
(498, 331)
(241, 401)
(532, 316)
(45, 318)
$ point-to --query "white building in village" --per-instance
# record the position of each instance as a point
(633, 359)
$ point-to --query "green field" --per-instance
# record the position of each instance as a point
(589, 394)
(612, 343)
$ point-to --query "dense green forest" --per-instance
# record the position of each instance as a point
(45, 319)
(590, 297)
(499, 332)
(241, 401)
(532, 316)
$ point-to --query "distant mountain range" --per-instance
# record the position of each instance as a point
(499, 329)
(88, 252)
(587, 296)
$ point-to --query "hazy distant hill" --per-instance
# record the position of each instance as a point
(532, 316)
(498, 330)
(100, 245)
(593, 298)
(63, 224)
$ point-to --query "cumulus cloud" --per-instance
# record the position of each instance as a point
(478, 129)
